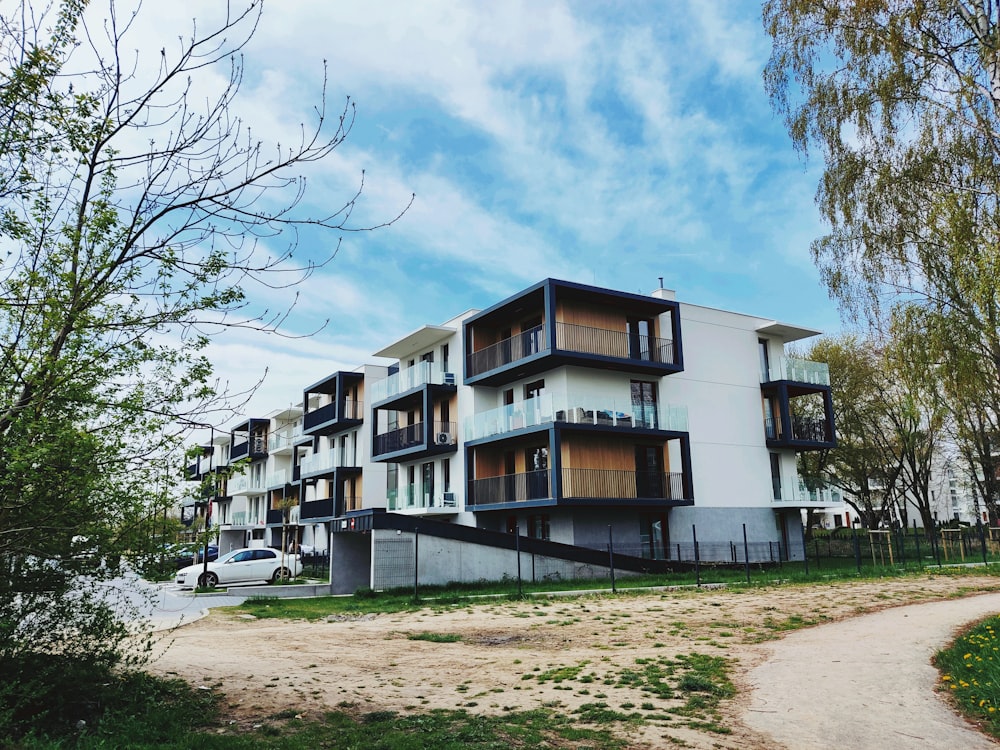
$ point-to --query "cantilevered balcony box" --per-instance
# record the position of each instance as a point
(249, 440)
(343, 408)
(578, 456)
(425, 390)
(555, 323)
(797, 405)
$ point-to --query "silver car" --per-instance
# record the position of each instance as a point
(241, 566)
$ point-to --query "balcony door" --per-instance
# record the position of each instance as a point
(649, 471)
(644, 406)
(640, 339)
(536, 463)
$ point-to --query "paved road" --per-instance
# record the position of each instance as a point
(163, 604)
(866, 682)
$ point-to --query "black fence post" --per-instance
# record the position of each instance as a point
(902, 546)
(816, 547)
(916, 542)
(697, 566)
(857, 548)
(935, 545)
(416, 560)
(982, 536)
(611, 559)
(746, 553)
(805, 554)
(517, 548)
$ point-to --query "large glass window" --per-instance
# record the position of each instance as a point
(644, 410)
(776, 475)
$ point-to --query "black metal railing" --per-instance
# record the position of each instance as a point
(812, 429)
(622, 484)
(316, 417)
(509, 350)
(770, 428)
(509, 488)
(412, 436)
(318, 509)
(585, 339)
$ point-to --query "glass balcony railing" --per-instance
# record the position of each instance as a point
(548, 408)
(417, 496)
(422, 373)
(796, 491)
(327, 460)
(798, 370)
(278, 478)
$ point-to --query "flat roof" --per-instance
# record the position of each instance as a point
(422, 338)
(787, 332)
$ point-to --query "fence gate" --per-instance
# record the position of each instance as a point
(393, 566)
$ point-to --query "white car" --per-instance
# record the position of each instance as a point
(241, 566)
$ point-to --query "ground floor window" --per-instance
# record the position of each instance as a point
(653, 535)
(538, 526)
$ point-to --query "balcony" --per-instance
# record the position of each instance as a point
(283, 440)
(798, 371)
(278, 479)
(422, 373)
(411, 442)
(600, 485)
(252, 448)
(797, 493)
(805, 432)
(328, 419)
(246, 484)
(319, 509)
(325, 462)
(415, 497)
(595, 412)
(510, 488)
(506, 352)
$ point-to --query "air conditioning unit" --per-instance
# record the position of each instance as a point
(448, 499)
(449, 378)
(442, 438)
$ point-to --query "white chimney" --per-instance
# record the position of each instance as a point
(663, 293)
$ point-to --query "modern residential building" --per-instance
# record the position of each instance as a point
(568, 415)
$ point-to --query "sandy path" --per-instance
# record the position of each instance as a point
(266, 667)
(866, 682)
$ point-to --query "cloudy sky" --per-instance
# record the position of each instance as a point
(605, 143)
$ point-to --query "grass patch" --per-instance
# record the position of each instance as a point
(970, 672)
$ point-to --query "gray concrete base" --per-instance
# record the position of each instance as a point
(294, 591)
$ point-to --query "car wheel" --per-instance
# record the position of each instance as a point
(281, 573)
(208, 580)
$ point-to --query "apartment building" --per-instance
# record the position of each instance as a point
(569, 414)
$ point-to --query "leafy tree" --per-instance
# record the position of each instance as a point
(130, 211)
(902, 101)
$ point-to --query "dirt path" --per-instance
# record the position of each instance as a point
(866, 682)
(575, 653)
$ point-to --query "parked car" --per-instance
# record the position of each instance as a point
(241, 566)
(187, 554)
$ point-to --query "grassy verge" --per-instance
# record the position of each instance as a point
(460, 595)
(970, 671)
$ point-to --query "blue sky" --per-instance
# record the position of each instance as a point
(606, 143)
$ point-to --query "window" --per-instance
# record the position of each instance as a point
(644, 410)
(640, 339)
(538, 526)
(445, 414)
(536, 463)
(444, 358)
(427, 471)
(776, 475)
(534, 390)
(508, 397)
(765, 366)
(446, 474)
(653, 535)
(649, 471)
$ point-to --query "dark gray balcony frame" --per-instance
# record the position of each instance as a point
(340, 414)
(557, 496)
(544, 353)
(422, 443)
(788, 430)
(245, 443)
